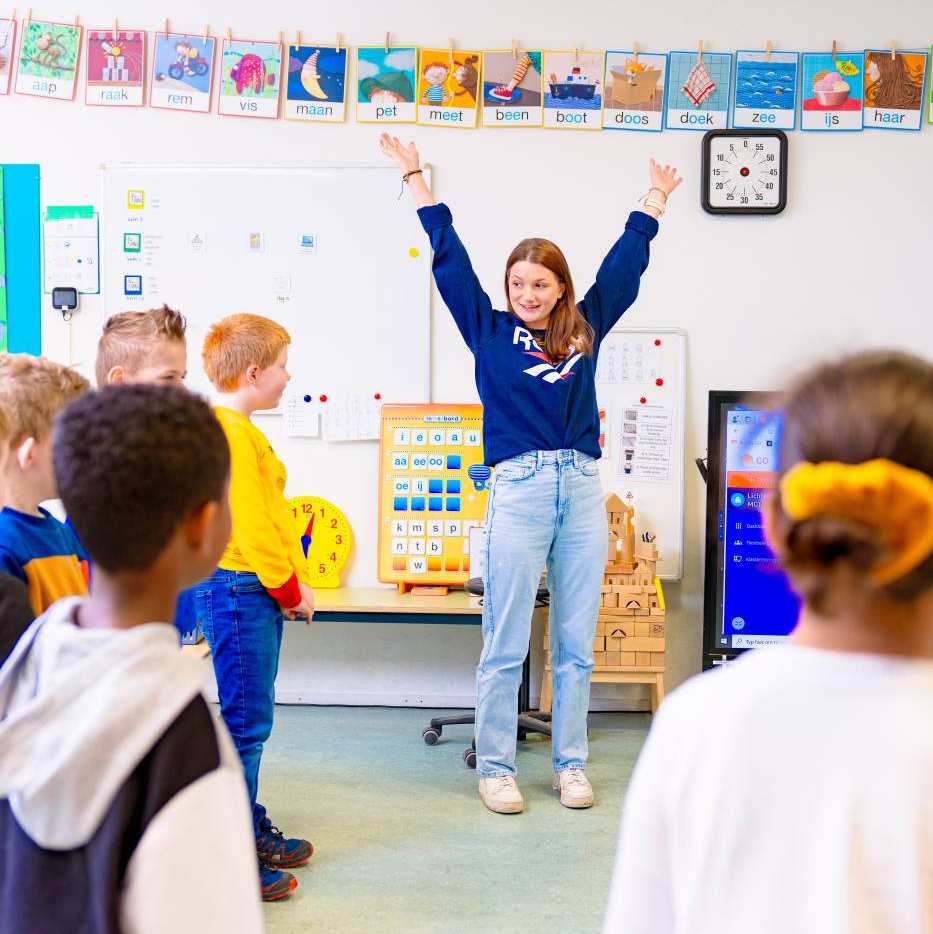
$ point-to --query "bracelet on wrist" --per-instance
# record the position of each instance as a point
(408, 175)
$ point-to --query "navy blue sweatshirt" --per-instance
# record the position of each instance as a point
(529, 404)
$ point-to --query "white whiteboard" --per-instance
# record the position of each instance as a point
(219, 239)
(643, 453)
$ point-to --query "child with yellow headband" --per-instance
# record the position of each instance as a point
(793, 791)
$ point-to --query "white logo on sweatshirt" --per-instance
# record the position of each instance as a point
(546, 370)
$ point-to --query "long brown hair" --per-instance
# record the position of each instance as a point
(566, 327)
(872, 405)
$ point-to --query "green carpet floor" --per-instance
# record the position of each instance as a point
(403, 843)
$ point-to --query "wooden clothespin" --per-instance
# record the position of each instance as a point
(229, 34)
(207, 32)
(769, 48)
(167, 30)
(451, 47)
(29, 14)
(386, 44)
(635, 52)
(834, 51)
(576, 55)
(700, 51)
(77, 21)
(893, 50)
(281, 37)
(13, 15)
(514, 49)
(337, 46)
(297, 39)
(116, 28)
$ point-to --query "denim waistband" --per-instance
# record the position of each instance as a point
(564, 458)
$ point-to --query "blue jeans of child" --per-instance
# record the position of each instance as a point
(243, 626)
(544, 508)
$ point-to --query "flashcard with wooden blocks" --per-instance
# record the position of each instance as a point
(432, 491)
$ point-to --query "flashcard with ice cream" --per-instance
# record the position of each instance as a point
(832, 91)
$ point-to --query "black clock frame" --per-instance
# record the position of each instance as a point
(746, 209)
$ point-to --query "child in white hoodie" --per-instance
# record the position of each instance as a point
(114, 775)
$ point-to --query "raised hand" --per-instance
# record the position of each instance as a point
(664, 178)
(405, 156)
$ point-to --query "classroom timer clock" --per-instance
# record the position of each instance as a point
(325, 538)
(744, 172)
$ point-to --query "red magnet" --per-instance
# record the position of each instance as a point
(657, 342)
(323, 398)
(642, 400)
(378, 396)
(659, 382)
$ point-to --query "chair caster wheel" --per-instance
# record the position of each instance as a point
(469, 757)
(431, 735)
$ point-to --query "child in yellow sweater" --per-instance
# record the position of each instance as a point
(261, 577)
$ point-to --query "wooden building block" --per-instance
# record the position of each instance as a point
(611, 600)
(643, 659)
(599, 644)
(613, 644)
(642, 630)
(656, 630)
(599, 659)
(643, 611)
(628, 659)
(645, 645)
(613, 659)
(657, 660)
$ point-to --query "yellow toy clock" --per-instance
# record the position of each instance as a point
(325, 538)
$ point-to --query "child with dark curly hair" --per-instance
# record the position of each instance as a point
(113, 767)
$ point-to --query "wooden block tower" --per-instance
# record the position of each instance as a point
(629, 642)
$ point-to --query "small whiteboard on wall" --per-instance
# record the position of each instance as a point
(328, 251)
(640, 388)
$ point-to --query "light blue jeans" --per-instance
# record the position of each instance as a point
(545, 508)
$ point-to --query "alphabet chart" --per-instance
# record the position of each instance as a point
(432, 491)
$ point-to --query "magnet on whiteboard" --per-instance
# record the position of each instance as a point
(414, 252)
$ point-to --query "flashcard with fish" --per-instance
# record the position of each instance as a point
(832, 89)
(48, 60)
(182, 72)
(573, 90)
(115, 63)
(317, 81)
(893, 89)
(698, 90)
(385, 84)
(448, 87)
(635, 85)
(766, 86)
(7, 45)
(513, 90)
(250, 79)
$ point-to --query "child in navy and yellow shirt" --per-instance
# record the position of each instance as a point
(15, 611)
(262, 576)
(35, 547)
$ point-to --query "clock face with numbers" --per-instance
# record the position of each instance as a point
(325, 538)
(744, 172)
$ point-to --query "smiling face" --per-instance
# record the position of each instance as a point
(435, 74)
(533, 292)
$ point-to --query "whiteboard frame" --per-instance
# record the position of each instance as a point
(180, 167)
(679, 434)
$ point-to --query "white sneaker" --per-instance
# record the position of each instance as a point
(501, 794)
(574, 787)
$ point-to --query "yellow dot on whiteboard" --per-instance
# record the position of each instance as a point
(413, 251)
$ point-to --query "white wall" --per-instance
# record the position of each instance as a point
(759, 298)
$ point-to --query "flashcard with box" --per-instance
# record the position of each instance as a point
(432, 491)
